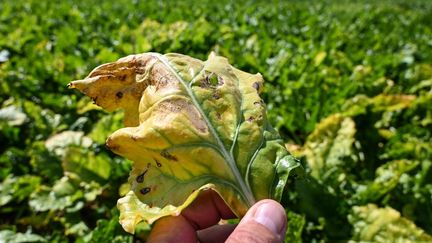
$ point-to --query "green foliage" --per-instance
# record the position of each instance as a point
(348, 87)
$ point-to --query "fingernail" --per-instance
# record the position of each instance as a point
(271, 218)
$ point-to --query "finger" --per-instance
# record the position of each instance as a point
(172, 229)
(205, 211)
(264, 222)
(216, 233)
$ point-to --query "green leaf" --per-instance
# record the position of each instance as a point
(12, 237)
(384, 225)
(387, 178)
(108, 230)
(105, 126)
(17, 188)
(87, 165)
(191, 126)
(12, 115)
(296, 223)
(45, 199)
(59, 143)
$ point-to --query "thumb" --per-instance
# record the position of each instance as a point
(265, 222)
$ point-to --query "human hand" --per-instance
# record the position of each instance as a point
(264, 222)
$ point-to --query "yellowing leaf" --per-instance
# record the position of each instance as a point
(190, 126)
(373, 224)
(360, 103)
(319, 58)
(328, 146)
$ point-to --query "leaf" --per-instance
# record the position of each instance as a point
(13, 237)
(296, 223)
(108, 230)
(17, 188)
(59, 143)
(387, 178)
(319, 58)
(384, 225)
(106, 125)
(190, 126)
(60, 196)
(12, 115)
(86, 165)
(358, 104)
(330, 145)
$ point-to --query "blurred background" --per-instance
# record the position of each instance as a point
(348, 86)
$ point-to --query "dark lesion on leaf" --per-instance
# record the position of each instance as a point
(216, 95)
(119, 95)
(211, 80)
(158, 164)
(140, 178)
(134, 137)
(110, 146)
(256, 86)
(145, 190)
(168, 156)
(218, 116)
(94, 99)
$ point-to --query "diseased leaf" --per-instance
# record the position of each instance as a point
(384, 225)
(360, 103)
(329, 146)
(190, 126)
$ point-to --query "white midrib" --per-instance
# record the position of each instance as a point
(247, 193)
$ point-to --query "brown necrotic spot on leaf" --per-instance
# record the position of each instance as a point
(94, 99)
(134, 137)
(168, 156)
(216, 95)
(119, 95)
(251, 119)
(158, 164)
(110, 145)
(140, 178)
(161, 77)
(211, 80)
(145, 190)
(186, 108)
(256, 86)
